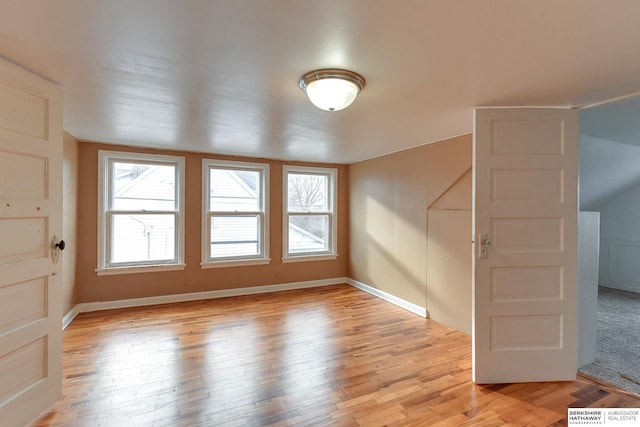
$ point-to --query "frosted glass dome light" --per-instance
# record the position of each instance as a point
(331, 89)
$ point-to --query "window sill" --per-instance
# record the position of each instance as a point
(139, 269)
(234, 263)
(306, 258)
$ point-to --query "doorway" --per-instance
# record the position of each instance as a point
(610, 185)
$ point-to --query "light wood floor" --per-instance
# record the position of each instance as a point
(324, 356)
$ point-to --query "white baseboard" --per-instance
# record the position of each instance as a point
(194, 296)
(409, 306)
(68, 318)
(619, 287)
(86, 307)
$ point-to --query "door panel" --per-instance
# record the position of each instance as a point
(22, 303)
(511, 235)
(526, 284)
(28, 186)
(30, 215)
(525, 332)
(32, 245)
(526, 184)
(525, 212)
(23, 112)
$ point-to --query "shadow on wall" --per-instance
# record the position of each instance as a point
(380, 261)
(389, 197)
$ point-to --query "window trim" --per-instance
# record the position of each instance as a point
(332, 252)
(105, 190)
(263, 215)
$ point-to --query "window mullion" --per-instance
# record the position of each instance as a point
(144, 212)
(236, 215)
(309, 213)
(130, 235)
(309, 232)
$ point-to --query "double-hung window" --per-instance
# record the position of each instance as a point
(310, 220)
(235, 220)
(140, 212)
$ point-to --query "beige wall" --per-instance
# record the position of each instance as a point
(382, 232)
(389, 197)
(69, 221)
(92, 287)
(449, 272)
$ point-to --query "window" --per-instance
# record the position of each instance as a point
(309, 213)
(235, 213)
(140, 212)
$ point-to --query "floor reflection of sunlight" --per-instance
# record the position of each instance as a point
(232, 369)
(275, 365)
(137, 369)
(306, 351)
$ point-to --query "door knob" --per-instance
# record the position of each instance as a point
(484, 245)
(57, 246)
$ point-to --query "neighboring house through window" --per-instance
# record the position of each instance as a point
(140, 212)
(310, 220)
(235, 201)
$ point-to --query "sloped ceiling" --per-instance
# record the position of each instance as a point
(222, 75)
(609, 151)
(607, 169)
(617, 121)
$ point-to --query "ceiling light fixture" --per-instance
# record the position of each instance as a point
(332, 89)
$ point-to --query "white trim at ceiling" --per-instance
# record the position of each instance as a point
(609, 101)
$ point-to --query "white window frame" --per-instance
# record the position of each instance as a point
(105, 267)
(332, 213)
(262, 213)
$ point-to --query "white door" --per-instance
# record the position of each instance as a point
(30, 216)
(525, 232)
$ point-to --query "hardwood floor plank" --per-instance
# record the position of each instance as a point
(331, 356)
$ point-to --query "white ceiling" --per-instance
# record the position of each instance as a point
(222, 75)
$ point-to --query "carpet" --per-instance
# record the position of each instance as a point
(618, 343)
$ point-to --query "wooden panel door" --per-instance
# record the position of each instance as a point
(525, 230)
(30, 271)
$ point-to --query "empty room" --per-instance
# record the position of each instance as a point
(292, 213)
